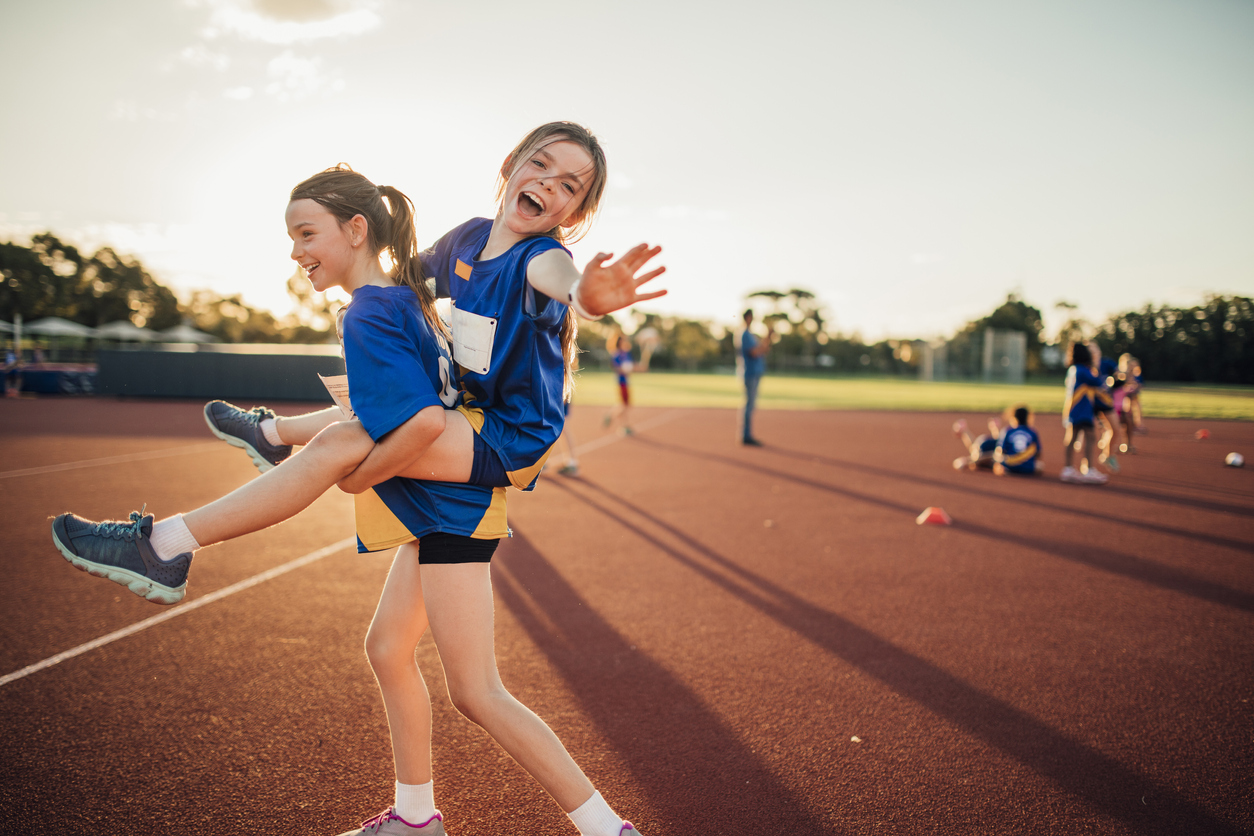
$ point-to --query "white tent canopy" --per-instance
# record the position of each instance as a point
(55, 326)
(186, 334)
(125, 330)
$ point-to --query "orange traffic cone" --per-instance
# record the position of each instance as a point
(1202, 435)
(934, 516)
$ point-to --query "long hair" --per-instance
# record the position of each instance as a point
(582, 218)
(1078, 355)
(389, 218)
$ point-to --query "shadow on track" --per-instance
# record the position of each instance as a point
(1104, 784)
(679, 752)
(1103, 558)
(1140, 523)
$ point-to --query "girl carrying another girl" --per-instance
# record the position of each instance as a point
(510, 286)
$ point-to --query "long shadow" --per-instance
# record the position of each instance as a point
(1140, 523)
(678, 751)
(1102, 782)
(1096, 557)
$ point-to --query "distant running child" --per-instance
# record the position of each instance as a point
(1078, 415)
(619, 347)
(980, 449)
(1018, 449)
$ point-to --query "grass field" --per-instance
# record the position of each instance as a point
(779, 392)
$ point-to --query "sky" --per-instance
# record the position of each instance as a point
(909, 163)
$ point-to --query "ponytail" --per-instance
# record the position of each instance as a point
(402, 246)
(389, 218)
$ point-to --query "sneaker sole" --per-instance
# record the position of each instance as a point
(260, 461)
(138, 584)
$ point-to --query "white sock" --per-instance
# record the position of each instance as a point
(595, 818)
(415, 803)
(171, 537)
(270, 429)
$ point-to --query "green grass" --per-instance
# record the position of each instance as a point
(797, 392)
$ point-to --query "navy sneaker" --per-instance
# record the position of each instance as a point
(122, 552)
(241, 428)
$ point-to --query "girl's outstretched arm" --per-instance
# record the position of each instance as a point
(602, 288)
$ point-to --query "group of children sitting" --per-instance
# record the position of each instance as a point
(1096, 388)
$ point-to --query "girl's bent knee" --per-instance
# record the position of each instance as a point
(478, 704)
(387, 655)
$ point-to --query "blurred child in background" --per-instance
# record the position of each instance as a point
(619, 347)
(981, 449)
(1130, 368)
(1078, 416)
(1124, 390)
(1019, 447)
(1104, 410)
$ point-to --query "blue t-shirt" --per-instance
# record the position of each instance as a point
(753, 366)
(397, 366)
(1082, 386)
(1018, 448)
(622, 365)
(507, 345)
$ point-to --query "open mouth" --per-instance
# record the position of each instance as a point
(310, 268)
(528, 206)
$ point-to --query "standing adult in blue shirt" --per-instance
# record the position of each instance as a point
(751, 363)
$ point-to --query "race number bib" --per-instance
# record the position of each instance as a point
(472, 340)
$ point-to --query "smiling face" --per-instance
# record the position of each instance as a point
(320, 245)
(546, 188)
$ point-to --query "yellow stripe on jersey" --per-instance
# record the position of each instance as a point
(377, 527)
(1080, 394)
(463, 269)
(493, 525)
(473, 415)
(1019, 458)
(522, 478)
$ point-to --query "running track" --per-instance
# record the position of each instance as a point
(729, 641)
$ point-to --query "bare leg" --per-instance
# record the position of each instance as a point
(1067, 448)
(300, 429)
(459, 607)
(286, 490)
(450, 456)
(399, 624)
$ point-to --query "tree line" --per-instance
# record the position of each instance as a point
(1211, 342)
(53, 278)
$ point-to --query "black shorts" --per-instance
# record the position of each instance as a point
(1081, 425)
(439, 547)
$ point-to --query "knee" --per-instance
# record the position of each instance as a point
(344, 443)
(386, 654)
(478, 704)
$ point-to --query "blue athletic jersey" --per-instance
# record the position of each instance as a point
(1082, 386)
(397, 366)
(507, 345)
(1018, 448)
(622, 365)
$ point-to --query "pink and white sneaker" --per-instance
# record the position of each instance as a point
(388, 823)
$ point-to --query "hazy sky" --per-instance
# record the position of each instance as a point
(910, 163)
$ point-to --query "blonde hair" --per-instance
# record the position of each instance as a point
(389, 218)
(582, 218)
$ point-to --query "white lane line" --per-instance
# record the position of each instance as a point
(606, 440)
(181, 609)
(129, 457)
